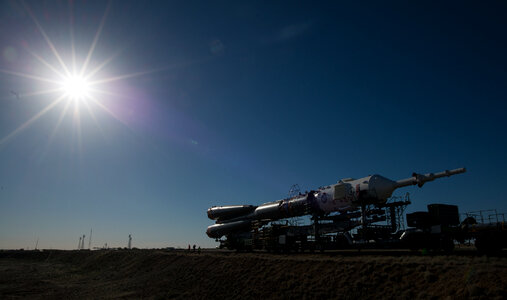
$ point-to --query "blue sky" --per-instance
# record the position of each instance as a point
(232, 103)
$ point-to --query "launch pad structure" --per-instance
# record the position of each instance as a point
(325, 231)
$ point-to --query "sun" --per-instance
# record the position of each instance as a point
(76, 87)
(75, 81)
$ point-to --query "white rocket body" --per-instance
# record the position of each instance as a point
(347, 194)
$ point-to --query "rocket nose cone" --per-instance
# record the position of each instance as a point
(209, 233)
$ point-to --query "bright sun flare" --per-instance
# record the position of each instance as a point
(75, 87)
(75, 84)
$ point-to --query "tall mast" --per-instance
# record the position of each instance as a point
(90, 240)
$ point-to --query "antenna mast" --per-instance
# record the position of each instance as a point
(90, 240)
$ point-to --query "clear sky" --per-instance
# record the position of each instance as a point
(214, 102)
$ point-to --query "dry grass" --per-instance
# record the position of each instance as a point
(166, 275)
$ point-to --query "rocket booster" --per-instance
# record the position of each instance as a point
(348, 194)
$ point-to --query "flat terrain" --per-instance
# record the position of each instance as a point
(227, 275)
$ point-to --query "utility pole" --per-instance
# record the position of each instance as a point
(90, 240)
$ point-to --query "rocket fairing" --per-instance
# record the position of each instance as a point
(346, 195)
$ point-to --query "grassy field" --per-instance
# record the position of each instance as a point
(161, 274)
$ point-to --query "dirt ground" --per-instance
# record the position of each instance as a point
(157, 274)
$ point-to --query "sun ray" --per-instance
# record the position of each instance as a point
(46, 37)
(60, 119)
(29, 76)
(120, 77)
(41, 60)
(87, 105)
(77, 124)
(71, 29)
(94, 90)
(102, 65)
(106, 109)
(92, 114)
(141, 73)
(31, 120)
(95, 39)
(43, 92)
(53, 133)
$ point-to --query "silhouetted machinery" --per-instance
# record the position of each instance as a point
(440, 227)
(343, 215)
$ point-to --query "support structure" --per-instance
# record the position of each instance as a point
(395, 210)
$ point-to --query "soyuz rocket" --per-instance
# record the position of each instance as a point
(346, 195)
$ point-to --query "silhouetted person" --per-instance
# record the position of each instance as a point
(194, 247)
(199, 250)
